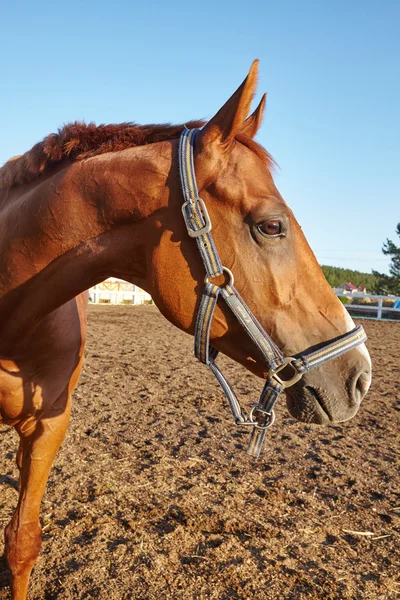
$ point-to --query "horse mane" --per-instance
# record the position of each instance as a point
(79, 140)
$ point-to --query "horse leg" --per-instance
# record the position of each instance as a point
(18, 460)
(40, 440)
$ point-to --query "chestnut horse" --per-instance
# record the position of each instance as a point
(93, 202)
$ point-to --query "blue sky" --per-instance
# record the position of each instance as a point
(331, 70)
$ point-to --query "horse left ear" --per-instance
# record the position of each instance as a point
(253, 122)
(230, 118)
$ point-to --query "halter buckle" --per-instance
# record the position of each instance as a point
(194, 233)
(285, 383)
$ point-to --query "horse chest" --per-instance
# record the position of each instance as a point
(43, 366)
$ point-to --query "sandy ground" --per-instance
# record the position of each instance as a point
(152, 495)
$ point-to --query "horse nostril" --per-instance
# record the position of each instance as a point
(361, 387)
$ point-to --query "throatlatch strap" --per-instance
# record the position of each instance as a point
(238, 414)
(198, 226)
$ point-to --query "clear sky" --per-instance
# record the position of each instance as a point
(331, 70)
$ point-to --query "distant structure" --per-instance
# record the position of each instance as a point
(118, 291)
(349, 288)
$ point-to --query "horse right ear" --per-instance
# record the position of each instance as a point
(253, 122)
(230, 119)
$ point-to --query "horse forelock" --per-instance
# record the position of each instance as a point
(259, 150)
(79, 140)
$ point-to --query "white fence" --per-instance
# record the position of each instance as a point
(384, 313)
(117, 291)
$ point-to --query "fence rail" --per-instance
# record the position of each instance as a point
(110, 292)
(384, 313)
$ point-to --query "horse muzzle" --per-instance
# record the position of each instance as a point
(326, 395)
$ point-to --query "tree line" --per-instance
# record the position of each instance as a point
(375, 282)
(335, 276)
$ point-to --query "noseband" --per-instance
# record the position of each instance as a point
(262, 414)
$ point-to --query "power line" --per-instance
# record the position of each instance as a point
(352, 258)
(348, 251)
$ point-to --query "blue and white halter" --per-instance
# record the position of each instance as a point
(198, 226)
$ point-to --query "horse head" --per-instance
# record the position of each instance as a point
(276, 272)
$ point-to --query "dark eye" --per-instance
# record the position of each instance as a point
(272, 227)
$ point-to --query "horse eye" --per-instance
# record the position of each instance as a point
(272, 227)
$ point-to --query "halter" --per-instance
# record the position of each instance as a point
(261, 415)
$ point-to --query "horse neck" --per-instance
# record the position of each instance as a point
(63, 234)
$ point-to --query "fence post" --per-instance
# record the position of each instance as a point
(380, 304)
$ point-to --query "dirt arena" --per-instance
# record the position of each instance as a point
(152, 496)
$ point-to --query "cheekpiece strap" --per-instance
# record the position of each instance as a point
(242, 312)
(194, 210)
(203, 322)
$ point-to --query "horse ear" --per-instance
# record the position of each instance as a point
(253, 122)
(230, 118)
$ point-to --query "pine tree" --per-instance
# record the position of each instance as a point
(390, 249)
(390, 284)
(337, 275)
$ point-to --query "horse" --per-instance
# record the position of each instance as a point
(91, 202)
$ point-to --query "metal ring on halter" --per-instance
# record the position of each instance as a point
(228, 272)
(273, 373)
(270, 415)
